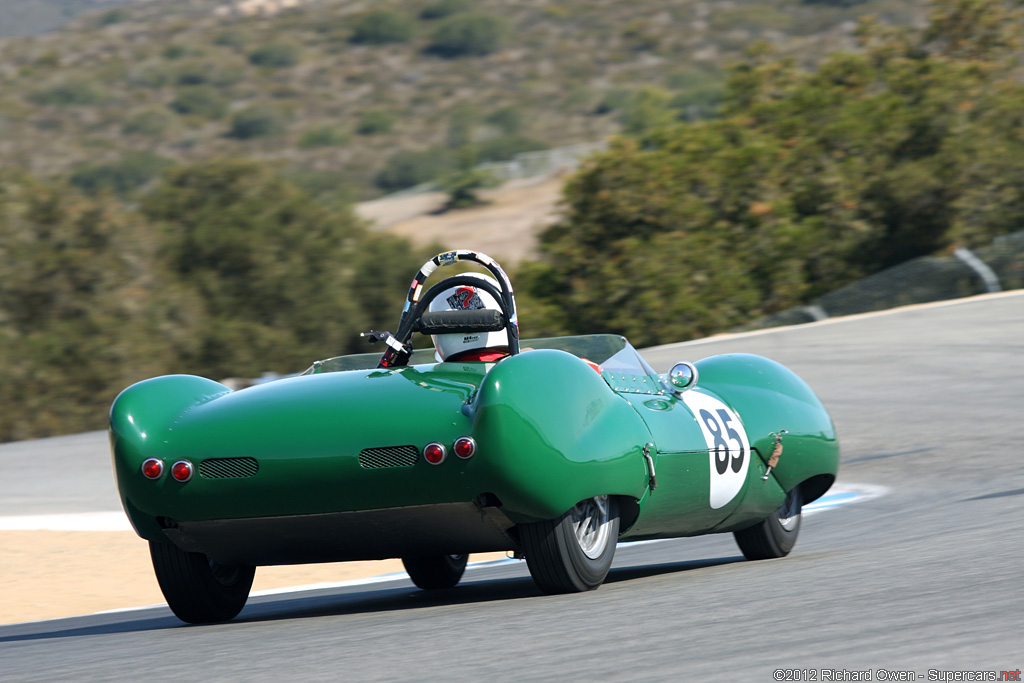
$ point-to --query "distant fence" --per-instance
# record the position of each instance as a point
(996, 267)
(541, 164)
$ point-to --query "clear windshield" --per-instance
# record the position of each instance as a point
(610, 351)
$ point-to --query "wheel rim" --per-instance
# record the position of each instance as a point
(789, 511)
(591, 522)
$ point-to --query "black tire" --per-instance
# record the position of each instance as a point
(198, 590)
(776, 535)
(437, 571)
(573, 553)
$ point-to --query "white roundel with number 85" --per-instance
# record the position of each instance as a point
(728, 446)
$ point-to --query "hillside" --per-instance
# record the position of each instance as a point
(353, 99)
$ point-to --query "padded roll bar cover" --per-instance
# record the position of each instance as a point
(458, 322)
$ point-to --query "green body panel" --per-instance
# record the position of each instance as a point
(554, 447)
(539, 458)
(766, 397)
(550, 432)
(769, 397)
(682, 473)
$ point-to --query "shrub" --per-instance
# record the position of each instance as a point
(149, 122)
(275, 55)
(199, 100)
(508, 119)
(699, 102)
(174, 52)
(407, 168)
(229, 38)
(256, 121)
(646, 109)
(467, 35)
(323, 136)
(439, 9)
(375, 121)
(129, 173)
(153, 75)
(462, 187)
(506, 147)
(612, 100)
(110, 17)
(381, 27)
(462, 124)
(69, 94)
(192, 73)
(327, 187)
(195, 72)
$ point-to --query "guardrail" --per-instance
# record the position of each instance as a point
(996, 267)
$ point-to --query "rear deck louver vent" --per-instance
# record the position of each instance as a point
(389, 456)
(228, 468)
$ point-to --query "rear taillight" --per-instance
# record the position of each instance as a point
(434, 453)
(465, 447)
(182, 470)
(153, 468)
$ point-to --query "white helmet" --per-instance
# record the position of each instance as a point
(466, 297)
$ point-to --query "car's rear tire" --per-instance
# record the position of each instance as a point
(198, 590)
(573, 553)
(776, 535)
(437, 571)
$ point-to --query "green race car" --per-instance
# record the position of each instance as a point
(555, 451)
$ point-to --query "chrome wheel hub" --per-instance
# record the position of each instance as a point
(591, 523)
(789, 511)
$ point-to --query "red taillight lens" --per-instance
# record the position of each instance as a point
(153, 468)
(182, 470)
(434, 453)
(465, 447)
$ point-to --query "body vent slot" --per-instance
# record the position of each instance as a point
(228, 468)
(389, 456)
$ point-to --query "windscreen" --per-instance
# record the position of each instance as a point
(603, 349)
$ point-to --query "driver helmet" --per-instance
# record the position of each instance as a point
(486, 346)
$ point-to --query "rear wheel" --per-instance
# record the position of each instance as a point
(776, 535)
(437, 571)
(197, 589)
(573, 553)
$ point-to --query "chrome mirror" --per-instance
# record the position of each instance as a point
(682, 376)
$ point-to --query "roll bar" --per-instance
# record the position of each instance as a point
(399, 347)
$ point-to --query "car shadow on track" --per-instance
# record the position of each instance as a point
(481, 587)
(643, 571)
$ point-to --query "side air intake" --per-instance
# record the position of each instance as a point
(228, 468)
(389, 456)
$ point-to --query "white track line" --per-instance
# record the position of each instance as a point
(80, 521)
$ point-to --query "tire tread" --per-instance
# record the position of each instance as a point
(192, 591)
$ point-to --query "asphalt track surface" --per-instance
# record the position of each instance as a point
(929, 403)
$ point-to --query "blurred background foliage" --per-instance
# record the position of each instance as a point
(224, 269)
(806, 181)
(183, 204)
(263, 78)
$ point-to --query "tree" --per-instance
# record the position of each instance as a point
(228, 270)
(281, 279)
(807, 181)
(467, 35)
(256, 121)
(79, 311)
(380, 27)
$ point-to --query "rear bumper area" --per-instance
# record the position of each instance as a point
(421, 530)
